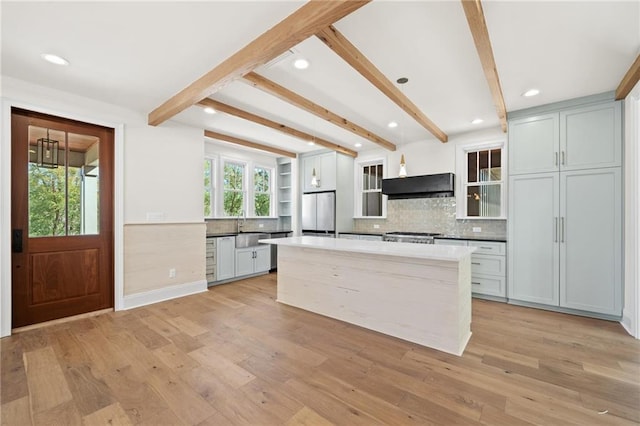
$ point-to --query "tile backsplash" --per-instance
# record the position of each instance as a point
(430, 215)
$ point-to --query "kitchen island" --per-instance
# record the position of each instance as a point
(416, 292)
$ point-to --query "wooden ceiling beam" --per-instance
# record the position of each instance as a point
(478, 26)
(228, 109)
(228, 138)
(298, 26)
(347, 51)
(293, 98)
(629, 80)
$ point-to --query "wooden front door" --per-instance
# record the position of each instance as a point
(61, 217)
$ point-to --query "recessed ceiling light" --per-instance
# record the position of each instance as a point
(392, 125)
(358, 145)
(311, 143)
(209, 110)
(54, 59)
(531, 92)
(301, 64)
(477, 121)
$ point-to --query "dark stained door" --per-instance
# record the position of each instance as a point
(61, 217)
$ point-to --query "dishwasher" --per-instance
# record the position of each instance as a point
(274, 248)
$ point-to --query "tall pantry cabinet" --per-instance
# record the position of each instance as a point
(565, 206)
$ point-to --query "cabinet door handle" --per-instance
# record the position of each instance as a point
(563, 158)
(475, 263)
(556, 158)
(486, 248)
(562, 229)
(555, 229)
(475, 283)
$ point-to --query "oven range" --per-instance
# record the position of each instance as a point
(410, 237)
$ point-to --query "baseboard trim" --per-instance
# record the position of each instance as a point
(166, 293)
(628, 326)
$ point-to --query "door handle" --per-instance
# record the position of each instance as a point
(16, 240)
(562, 229)
(556, 156)
(563, 158)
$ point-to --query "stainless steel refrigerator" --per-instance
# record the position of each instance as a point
(319, 213)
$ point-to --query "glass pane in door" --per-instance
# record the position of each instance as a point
(63, 183)
(83, 184)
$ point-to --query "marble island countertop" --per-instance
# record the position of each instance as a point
(419, 251)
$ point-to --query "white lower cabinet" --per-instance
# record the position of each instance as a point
(488, 266)
(565, 231)
(365, 237)
(251, 260)
(225, 258)
(211, 259)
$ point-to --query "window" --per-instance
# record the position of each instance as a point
(482, 188)
(369, 197)
(209, 186)
(233, 188)
(262, 191)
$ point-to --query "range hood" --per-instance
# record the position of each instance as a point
(426, 186)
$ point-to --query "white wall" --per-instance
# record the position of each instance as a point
(429, 157)
(158, 169)
(631, 310)
(163, 171)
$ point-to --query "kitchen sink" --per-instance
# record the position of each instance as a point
(249, 239)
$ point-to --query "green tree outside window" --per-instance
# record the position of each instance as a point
(233, 182)
(262, 191)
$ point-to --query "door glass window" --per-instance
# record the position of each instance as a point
(63, 183)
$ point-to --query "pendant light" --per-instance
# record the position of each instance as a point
(47, 152)
(314, 179)
(403, 170)
(403, 165)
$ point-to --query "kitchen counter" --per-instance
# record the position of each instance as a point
(381, 248)
(417, 292)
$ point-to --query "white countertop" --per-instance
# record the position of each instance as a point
(385, 248)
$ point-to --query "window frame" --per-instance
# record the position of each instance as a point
(213, 185)
(359, 191)
(462, 178)
(220, 211)
(272, 185)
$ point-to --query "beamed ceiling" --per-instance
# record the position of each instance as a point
(464, 60)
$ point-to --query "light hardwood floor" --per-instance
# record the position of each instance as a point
(233, 355)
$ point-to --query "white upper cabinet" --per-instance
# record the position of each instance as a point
(580, 138)
(323, 166)
(591, 137)
(533, 144)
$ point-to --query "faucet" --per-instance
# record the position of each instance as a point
(244, 219)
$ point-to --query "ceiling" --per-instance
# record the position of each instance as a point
(139, 54)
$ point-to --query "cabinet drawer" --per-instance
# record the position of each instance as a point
(489, 285)
(488, 247)
(444, 242)
(485, 264)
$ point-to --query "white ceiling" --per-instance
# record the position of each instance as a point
(139, 54)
